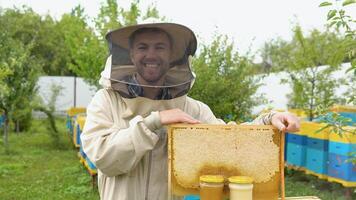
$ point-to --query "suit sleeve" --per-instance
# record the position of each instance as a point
(116, 150)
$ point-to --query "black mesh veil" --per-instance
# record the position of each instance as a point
(179, 77)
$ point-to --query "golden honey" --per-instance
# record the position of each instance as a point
(211, 187)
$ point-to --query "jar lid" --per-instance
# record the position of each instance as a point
(240, 179)
(212, 178)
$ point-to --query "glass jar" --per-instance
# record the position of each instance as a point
(211, 187)
(240, 187)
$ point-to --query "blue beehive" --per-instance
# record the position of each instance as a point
(77, 136)
(296, 138)
(296, 154)
(319, 144)
(350, 115)
(82, 154)
(341, 167)
(69, 124)
(90, 166)
(317, 161)
(342, 148)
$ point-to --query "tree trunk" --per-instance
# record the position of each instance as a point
(312, 98)
(17, 126)
(6, 138)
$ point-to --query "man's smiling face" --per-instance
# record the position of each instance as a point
(150, 53)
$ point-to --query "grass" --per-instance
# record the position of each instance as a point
(300, 184)
(36, 169)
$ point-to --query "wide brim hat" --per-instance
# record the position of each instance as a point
(184, 42)
(120, 69)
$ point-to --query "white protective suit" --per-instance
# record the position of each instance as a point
(128, 144)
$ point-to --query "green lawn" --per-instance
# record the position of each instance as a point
(300, 184)
(36, 169)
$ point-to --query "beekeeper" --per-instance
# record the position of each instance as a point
(145, 84)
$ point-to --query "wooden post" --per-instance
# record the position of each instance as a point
(283, 193)
(75, 92)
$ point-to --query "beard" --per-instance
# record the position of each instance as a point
(152, 72)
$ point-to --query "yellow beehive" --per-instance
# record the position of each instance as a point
(298, 112)
(75, 110)
(310, 129)
(347, 136)
(341, 181)
(339, 108)
(227, 150)
(81, 121)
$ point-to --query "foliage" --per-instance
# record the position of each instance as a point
(224, 80)
(318, 48)
(87, 52)
(336, 123)
(48, 48)
(4, 72)
(300, 58)
(111, 16)
(338, 18)
(350, 94)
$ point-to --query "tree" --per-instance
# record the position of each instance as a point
(338, 18)
(111, 16)
(20, 86)
(48, 41)
(21, 68)
(86, 53)
(300, 58)
(224, 80)
(52, 49)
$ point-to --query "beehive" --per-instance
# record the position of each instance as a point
(227, 150)
(75, 110)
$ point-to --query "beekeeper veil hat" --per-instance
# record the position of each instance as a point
(121, 71)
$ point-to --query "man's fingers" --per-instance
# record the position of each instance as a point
(286, 122)
(293, 126)
(280, 125)
(176, 116)
(191, 120)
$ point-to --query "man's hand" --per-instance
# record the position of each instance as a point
(176, 116)
(286, 122)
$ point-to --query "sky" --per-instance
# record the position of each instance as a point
(247, 23)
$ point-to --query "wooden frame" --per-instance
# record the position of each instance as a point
(278, 139)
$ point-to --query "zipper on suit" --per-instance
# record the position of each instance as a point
(149, 174)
